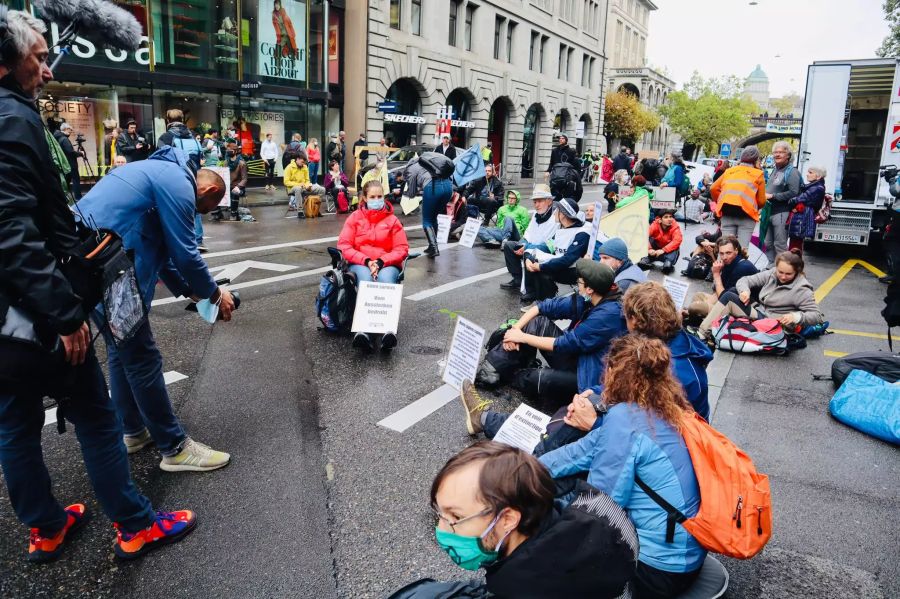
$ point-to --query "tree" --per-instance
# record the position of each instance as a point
(891, 44)
(626, 118)
(709, 111)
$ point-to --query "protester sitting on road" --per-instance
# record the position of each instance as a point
(783, 293)
(374, 243)
(639, 437)
(574, 355)
(639, 191)
(485, 195)
(335, 182)
(494, 509)
(740, 194)
(296, 180)
(665, 242)
(512, 222)
(614, 253)
(706, 246)
(541, 228)
(729, 266)
(804, 207)
(543, 270)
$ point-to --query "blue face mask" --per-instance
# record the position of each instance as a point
(375, 203)
(208, 310)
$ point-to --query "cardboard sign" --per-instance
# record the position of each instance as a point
(443, 231)
(523, 428)
(465, 353)
(663, 198)
(410, 204)
(596, 233)
(678, 289)
(377, 308)
(631, 224)
(470, 232)
(223, 172)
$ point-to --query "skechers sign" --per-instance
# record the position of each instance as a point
(281, 35)
(404, 118)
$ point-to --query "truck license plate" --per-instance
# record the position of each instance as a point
(841, 237)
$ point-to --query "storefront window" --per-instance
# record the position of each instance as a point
(200, 36)
(274, 40)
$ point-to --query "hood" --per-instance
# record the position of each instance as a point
(180, 130)
(819, 182)
(687, 347)
(517, 194)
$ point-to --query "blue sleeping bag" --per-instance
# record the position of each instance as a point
(869, 404)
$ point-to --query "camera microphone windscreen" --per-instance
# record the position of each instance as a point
(98, 21)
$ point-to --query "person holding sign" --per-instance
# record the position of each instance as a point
(512, 222)
(374, 243)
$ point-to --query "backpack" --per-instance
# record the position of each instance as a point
(342, 204)
(824, 212)
(564, 180)
(685, 187)
(884, 365)
(741, 335)
(191, 147)
(336, 300)
(437, 164)
(698, 267)
(735, 514)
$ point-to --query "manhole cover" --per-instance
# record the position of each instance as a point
(425, 350)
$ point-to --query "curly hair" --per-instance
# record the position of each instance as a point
(639, 370)
(651, 311)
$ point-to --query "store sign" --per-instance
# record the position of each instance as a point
(251, 85)
(282, 39)
(464, 124)
(404, 118)
(87, 50)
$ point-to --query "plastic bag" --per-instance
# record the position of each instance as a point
(869, 404)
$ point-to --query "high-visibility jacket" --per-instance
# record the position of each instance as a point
(743, 186)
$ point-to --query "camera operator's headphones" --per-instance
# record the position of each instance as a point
(7, 48)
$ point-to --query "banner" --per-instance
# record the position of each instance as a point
(281, 35)
(469, 166)
(632, 225)
(81, 114)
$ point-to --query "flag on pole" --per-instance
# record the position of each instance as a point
(469, 166)
(631, 224)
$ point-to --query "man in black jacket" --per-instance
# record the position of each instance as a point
(562, 153)
(130, 144)
(622, 161)
(486, 194)
(38, 234)
(446, 148)
(62, 138)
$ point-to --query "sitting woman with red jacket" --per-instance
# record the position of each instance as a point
(374, 244)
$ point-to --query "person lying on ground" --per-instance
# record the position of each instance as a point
(574, 355)
(540, 230)
(664, 243)
(512, 222)
(730, 265)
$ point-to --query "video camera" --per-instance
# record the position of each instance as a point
(79, 138)
(889, 173)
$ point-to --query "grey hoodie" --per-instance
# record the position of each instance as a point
(777, 300)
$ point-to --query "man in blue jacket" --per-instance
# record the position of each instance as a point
(151, 206)
(574, 356)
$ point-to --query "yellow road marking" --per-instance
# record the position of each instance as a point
(838, 276)
(858, 334)
(834, 354)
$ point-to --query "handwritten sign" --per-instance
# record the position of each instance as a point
(443, 232)
(223, 172)
(465, 353)
(377, 308)
(596, 233)
(663, 198)
(678, 289)
(470, 232)
(523, 428)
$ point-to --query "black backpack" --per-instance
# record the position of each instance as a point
(565, 181)
(437, 164)
(698, 267)
(884, 365)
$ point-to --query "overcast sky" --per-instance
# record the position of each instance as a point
(725, 37)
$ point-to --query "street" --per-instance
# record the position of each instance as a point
(322, 501)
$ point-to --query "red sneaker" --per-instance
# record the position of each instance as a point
(170, 527)
(44, 549)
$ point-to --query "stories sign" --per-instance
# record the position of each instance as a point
(281, 35)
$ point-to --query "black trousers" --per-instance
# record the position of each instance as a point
(543, 284)
(270, 171)
(650, 583)
(486, 206)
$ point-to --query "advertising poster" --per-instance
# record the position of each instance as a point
(281, 35)
(81, 114)
(259, 124)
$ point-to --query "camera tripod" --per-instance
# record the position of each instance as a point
(87, 163)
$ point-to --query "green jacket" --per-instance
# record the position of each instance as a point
(639, 192)
(518, 213)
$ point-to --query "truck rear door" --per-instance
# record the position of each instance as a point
(823, 119)
(890, 153)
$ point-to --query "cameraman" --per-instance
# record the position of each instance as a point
(131, 145)
(62, 138)
(37, 232)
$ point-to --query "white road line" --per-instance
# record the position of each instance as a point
(170, 377)
(416, 297)
(422, 408)
(278, 246)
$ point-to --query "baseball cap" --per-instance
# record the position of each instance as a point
(596, 275)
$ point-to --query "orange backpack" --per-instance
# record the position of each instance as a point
(735, 515)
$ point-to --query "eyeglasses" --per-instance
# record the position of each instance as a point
(454, 524)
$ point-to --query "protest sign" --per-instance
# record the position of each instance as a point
(678, 289)
(523, 428)
(443, 231)
(596, 233)
(663, 198)
(377, 308)
(632, 225)
(470, 232)
(465, 353)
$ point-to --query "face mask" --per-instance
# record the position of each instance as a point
(467, 552)
(375, 204)
(208, 310)
(231, 154)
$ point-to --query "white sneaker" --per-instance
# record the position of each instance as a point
(135, 443)
(195, 457)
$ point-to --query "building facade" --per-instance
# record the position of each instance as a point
(652, 89)
(627, 31)
(515, 73)
(756, 86)
(265, 66)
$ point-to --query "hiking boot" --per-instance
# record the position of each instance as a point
(195, 457)
(644, 264)
(47, 548)
(474, 405)
(388, 341)
(511, 284)
(169, 527)
(362, 341)
(135, 443)
(668, 268)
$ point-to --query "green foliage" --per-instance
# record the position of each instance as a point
(891, 45)
(450, 314)
(709, 111)
(626, 118)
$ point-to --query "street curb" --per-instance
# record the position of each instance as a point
(716, 374)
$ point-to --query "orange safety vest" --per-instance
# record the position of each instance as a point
(743, 186)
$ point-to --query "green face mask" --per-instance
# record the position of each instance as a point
(467, 552)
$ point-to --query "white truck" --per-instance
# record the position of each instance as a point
(851, 126)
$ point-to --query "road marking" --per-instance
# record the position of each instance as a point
(402, 419)
(278, 246)
(858, 334)
(233, 271)
(170, 377)
(834, 354)
(416, 297)
(838, 276)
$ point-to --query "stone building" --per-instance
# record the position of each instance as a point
(756, 86)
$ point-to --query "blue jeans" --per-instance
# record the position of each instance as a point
(435, 196)
(139, 390)
(500, 234)
(388, 274)
(198, 228)
(99, 433)
(313, 172)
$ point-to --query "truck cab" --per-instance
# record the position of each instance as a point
(851, 126)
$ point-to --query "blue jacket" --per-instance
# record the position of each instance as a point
(674, 176)
(632, 441)
(592, 329)
(150, 204)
